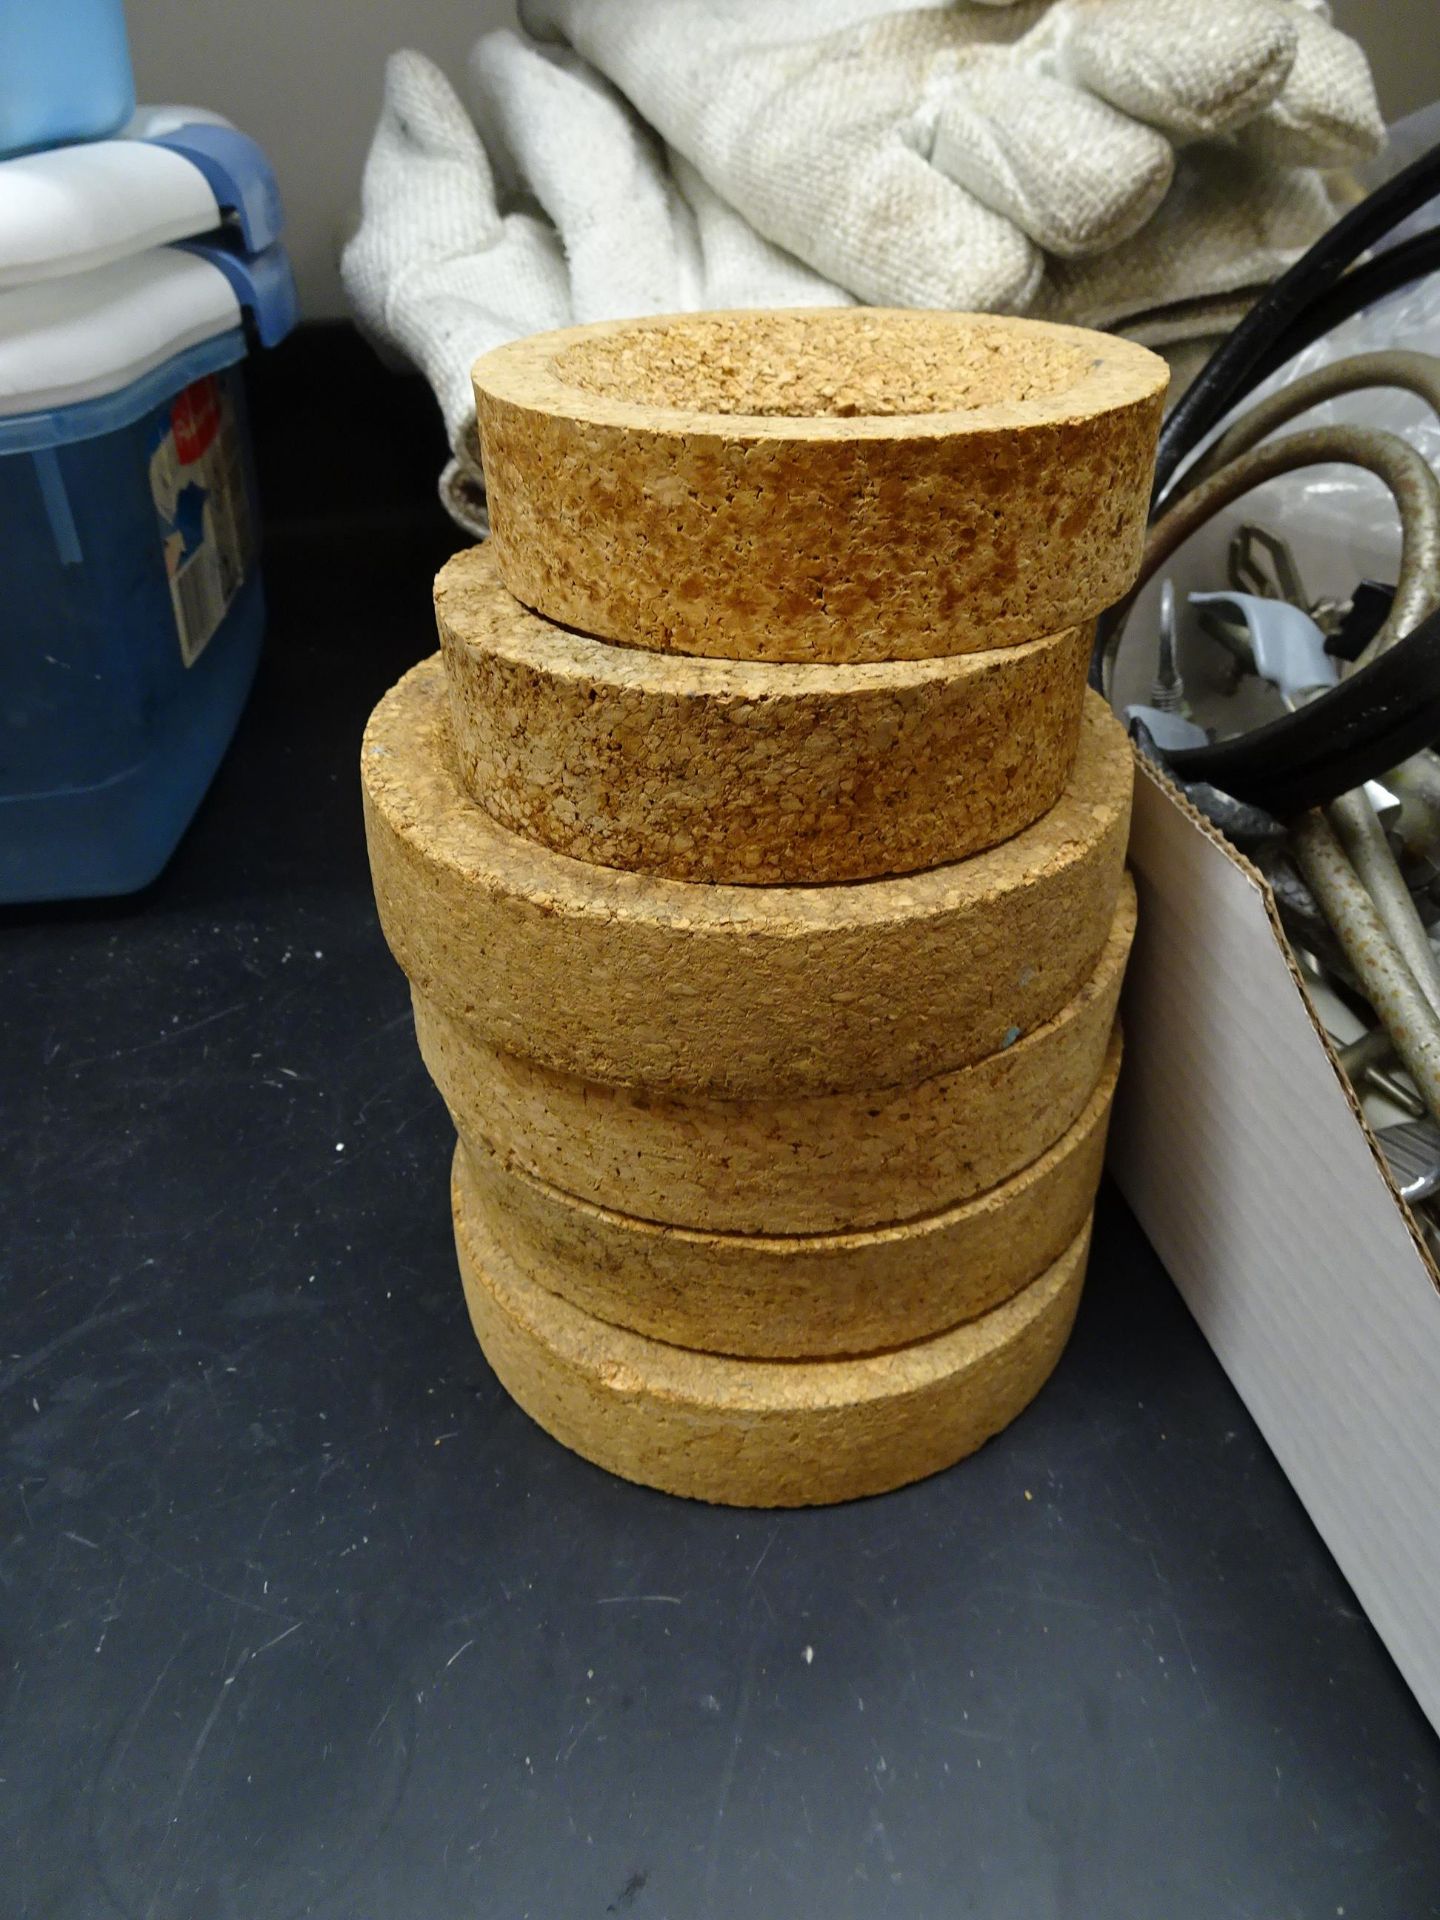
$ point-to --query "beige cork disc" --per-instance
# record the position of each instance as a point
(737, 990)
(743, 771)
(803, 1296)
(819, 485)
(818, 1164)
(761, 1433)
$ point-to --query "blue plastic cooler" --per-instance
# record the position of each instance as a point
(131, 608)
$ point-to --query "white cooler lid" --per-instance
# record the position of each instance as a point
(76, 339)
(74, 208)
(174, 174)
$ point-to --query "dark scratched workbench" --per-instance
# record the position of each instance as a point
(299, 1615)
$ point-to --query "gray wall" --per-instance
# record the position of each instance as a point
(1402, 38)
(303, 76)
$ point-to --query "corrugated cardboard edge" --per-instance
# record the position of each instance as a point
(1158, 778)
(1241, 1149)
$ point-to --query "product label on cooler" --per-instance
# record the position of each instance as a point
(198, 484)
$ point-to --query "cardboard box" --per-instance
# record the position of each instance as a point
(1244, 1155)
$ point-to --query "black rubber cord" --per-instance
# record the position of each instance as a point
(1355, 732)
(1397, 267)
(1224, 375)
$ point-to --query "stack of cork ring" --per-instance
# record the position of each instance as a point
(755, 855)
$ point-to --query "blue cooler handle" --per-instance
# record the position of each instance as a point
(262, 283)
(236, 172)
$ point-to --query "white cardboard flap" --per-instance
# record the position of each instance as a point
(1238, 1146)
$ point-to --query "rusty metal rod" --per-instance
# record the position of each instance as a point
(1417, 373)
(1388, 983)
(1366, 1060)
(1368, 851)
(1391, 459)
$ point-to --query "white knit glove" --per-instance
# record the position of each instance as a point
(437, 274)
(434, 272)
(926, 156)
(639, 236)
(1230, 224)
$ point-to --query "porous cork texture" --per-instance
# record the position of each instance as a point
(821, 1164)
(802, 1296)
(643, 981)
(746, 772)
(761, 1433)
(829, 485)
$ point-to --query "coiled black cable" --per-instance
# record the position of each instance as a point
(1361, 287)
(1282, 306)
(1371, 721)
